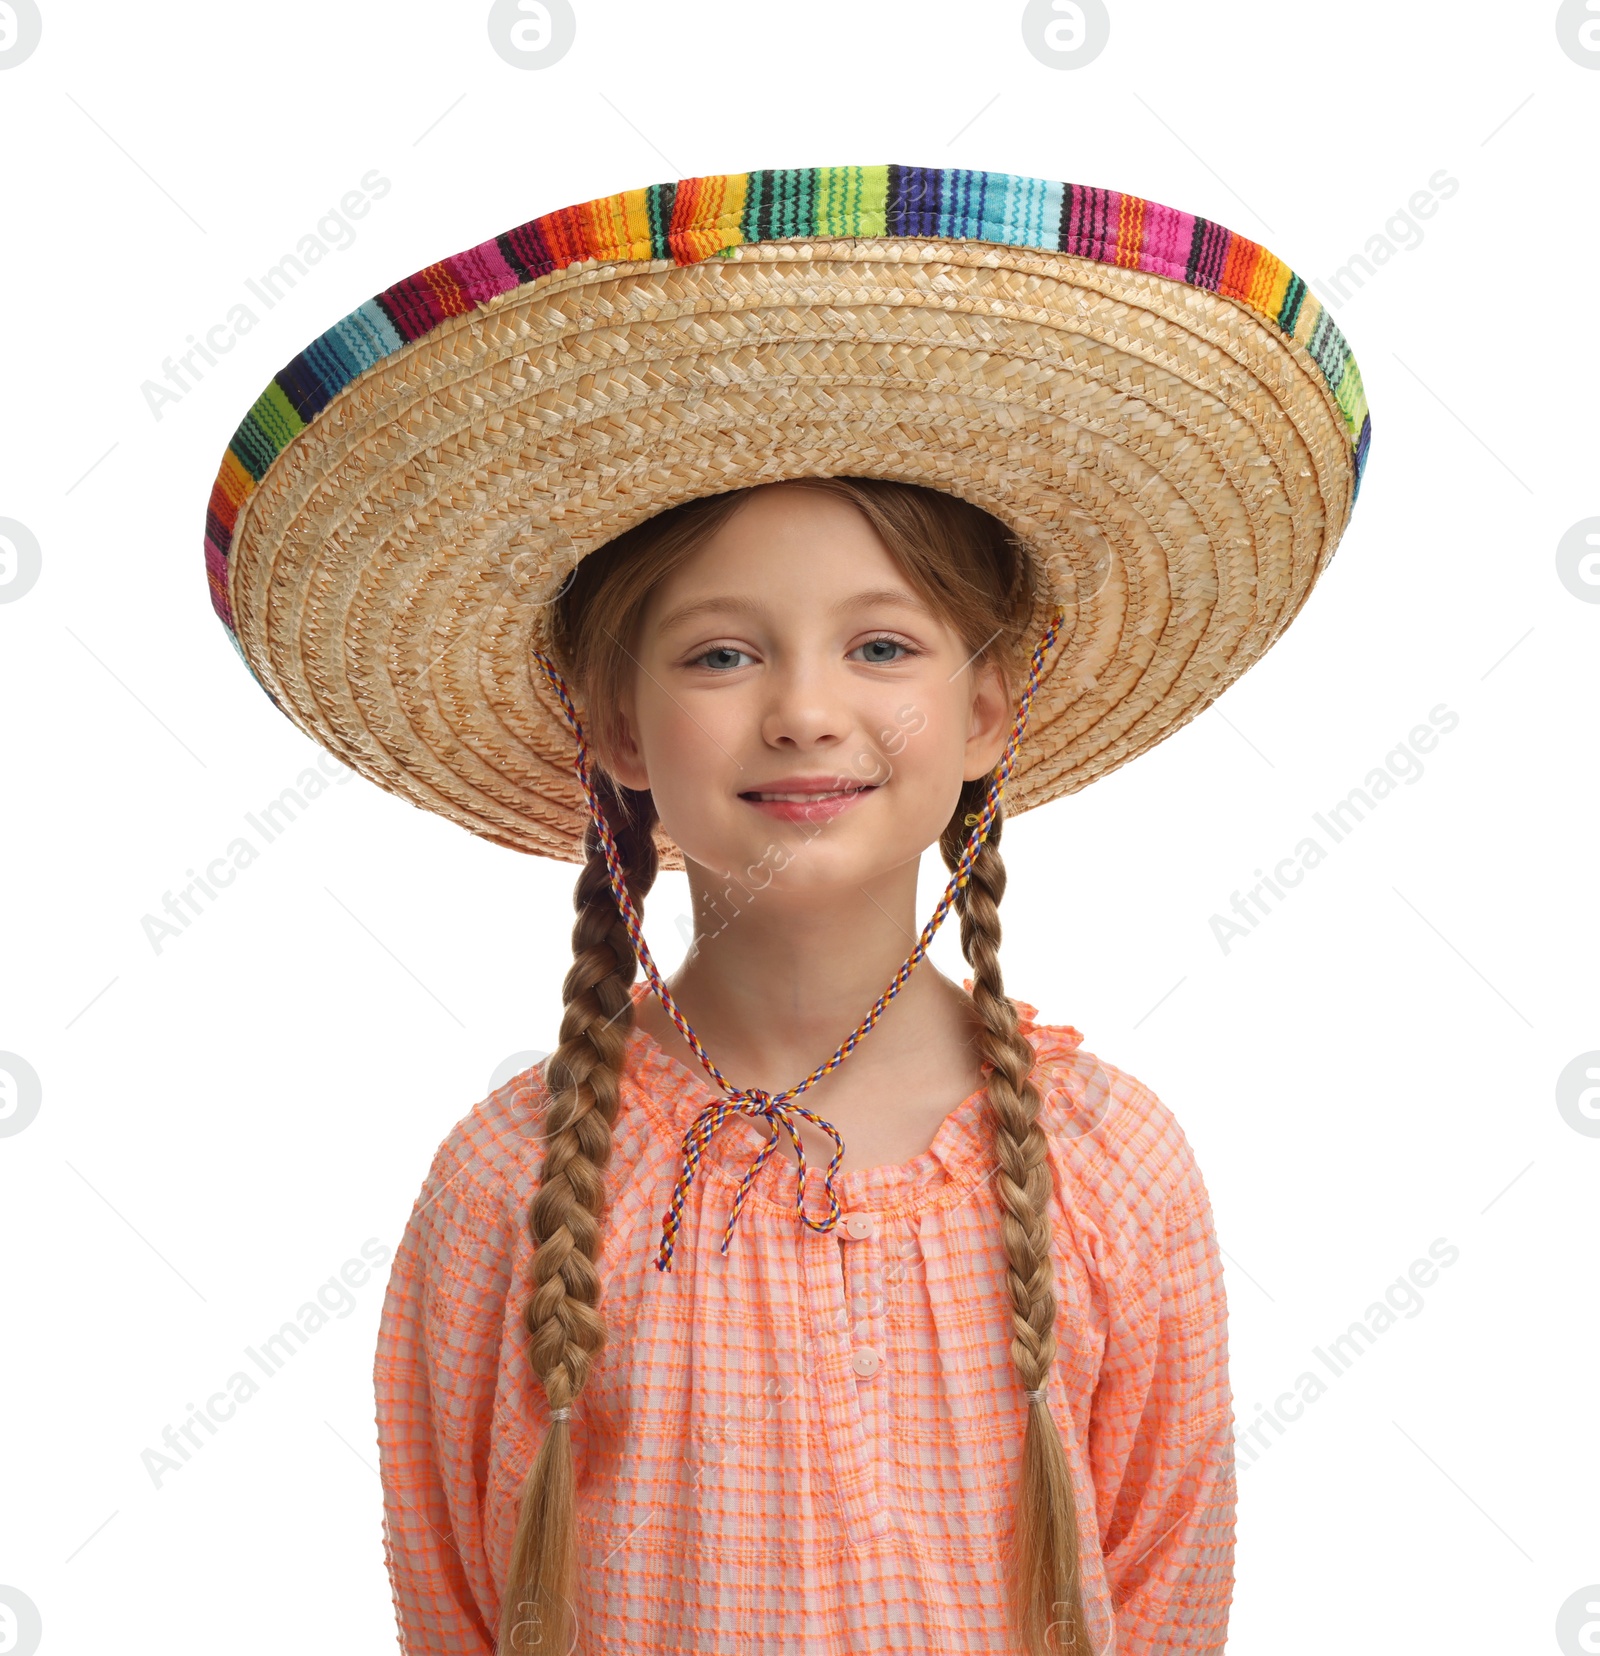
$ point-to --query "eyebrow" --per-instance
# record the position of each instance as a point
(752, 606)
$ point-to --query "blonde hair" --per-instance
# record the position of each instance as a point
(972, 571)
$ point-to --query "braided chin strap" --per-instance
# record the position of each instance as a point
(776, 1108)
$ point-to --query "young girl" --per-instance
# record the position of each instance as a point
(931, 497)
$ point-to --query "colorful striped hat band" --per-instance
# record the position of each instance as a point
(776, 1108)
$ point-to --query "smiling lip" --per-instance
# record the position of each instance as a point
(807, 799)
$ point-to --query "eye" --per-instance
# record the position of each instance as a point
(895, 643)
(717, 650)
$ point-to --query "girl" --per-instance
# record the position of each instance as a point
(891, 518)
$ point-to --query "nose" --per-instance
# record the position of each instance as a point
(806, 707)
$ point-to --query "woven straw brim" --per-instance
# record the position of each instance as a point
(1177, 465)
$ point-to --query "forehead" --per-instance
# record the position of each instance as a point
(793, 517)
(784, 549)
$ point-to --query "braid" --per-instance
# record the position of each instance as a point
(566, 1328)
(1047, 1597)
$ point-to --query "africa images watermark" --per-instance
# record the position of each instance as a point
(1401, 764)
(1341, 1354)
(333, 233)
(1400, 234)
(334, 1299)
(269, 823)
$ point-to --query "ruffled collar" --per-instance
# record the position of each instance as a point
(675, 1090)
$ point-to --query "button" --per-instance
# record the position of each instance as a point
(860, 1225)
(865, 1360)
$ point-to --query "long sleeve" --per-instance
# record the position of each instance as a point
(1162, 1438)
(434, 1380)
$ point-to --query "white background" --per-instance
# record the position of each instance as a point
(1374, 1066)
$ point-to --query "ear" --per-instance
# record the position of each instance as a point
(623, 758)
(992, 717)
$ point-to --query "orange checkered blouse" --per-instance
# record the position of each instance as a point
(811, 1446)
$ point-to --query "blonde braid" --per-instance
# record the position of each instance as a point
(1047, 1595)
(566, 1328)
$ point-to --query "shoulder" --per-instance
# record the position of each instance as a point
(489, 1163)
(1122, 1159)
(488, 1168)
(453, 1267)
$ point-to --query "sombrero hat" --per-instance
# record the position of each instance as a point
(1160, 409)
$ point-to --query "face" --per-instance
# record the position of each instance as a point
(790, 656)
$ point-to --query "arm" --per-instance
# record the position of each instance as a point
(434, 1379)
(1161, 1437)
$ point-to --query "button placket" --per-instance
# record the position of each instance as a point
(845, 1456)
(861, 1262)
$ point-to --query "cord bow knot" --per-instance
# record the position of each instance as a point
(778, 1111)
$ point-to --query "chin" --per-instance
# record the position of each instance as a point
(805, 858)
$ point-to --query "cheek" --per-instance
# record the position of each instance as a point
(922, 738)
(669, 756)
(686, 760)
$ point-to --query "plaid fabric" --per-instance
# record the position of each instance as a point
(698, 218)
(749, 1478)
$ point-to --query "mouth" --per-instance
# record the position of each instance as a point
(808, 805)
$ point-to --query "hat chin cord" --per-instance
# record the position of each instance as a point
(777, 1108)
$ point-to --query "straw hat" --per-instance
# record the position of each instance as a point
(1161, 409)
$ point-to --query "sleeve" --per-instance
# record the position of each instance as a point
(434, 1380)
(1161, 1439)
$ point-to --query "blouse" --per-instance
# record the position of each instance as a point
(811, 1446)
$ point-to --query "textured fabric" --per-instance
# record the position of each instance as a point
(698, 218)
(811, 1447)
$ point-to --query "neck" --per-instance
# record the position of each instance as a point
(777, 981)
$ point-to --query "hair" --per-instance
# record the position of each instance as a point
(974, 572)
